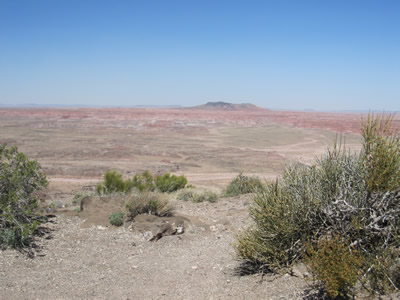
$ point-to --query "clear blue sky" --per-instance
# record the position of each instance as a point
(322, 55)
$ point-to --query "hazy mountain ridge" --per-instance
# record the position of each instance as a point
(220, 105)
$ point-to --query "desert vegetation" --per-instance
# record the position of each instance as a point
(243, 184)
(197, 195)
(20, 180)
(339, 215)
(114, 183)
(116, 219)
(153, 203)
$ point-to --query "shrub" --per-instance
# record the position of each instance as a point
(168, 183)
(381, 148)
(144, 182)
(116, 219)
(20, 179)
(338, 194)
(335, 265)
(113, 183)
(148, 203)
(197, 196)
(242, 184)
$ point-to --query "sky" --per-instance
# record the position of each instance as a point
(320, 55)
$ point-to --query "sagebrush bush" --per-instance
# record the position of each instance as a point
(242, 184)
(339, 194)
(197, 196)
(20, 179)
(148, 203)
(116, 219)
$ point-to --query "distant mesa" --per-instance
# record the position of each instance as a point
(220, 105)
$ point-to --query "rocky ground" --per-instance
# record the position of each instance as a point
(72, 262)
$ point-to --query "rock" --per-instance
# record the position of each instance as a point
(300, 271)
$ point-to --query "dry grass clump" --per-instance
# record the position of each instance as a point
(197, 195)
(153, 203)
(341, 195)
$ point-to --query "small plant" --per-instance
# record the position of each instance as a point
(77, 210)
(335, 265)
(242, 184)
(116, 219)
(148, 203)
(168, 183)
(197, 196)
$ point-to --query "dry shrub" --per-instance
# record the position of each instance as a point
(197, 196)
(243, 184)
(335, 265)
(148, 203)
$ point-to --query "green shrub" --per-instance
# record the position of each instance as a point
(338, 194)
(116, 219)
(335, 265)
(168, 183)
(197, 196)
(242, 184)
(20, 179)
(143, 182)
(148, 203)
(381, 148)
(113, 183)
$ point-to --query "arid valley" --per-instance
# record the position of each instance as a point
(83, 257)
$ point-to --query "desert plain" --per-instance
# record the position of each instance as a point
(79, 259)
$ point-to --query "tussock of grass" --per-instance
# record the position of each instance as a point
(196, 195)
